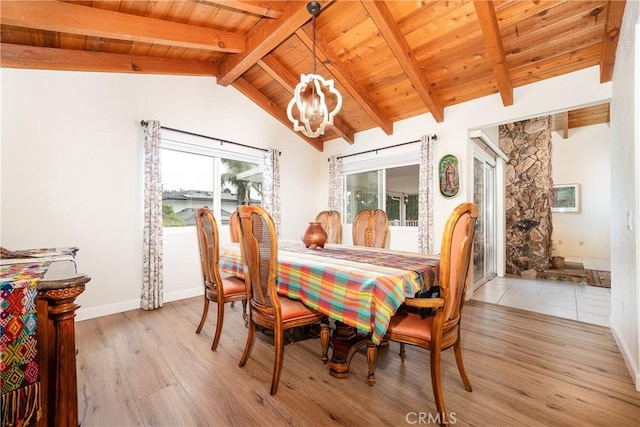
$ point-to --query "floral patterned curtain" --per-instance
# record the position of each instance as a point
(152, 281)
(425, 197)
(271, 186)
(335, 184)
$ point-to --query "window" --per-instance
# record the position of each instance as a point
(194, 177)
(394, 190)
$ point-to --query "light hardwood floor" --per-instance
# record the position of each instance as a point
(526, 368)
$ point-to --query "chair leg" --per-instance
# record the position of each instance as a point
(403, 353)
(204, 314)
(244, 313)
(436, 382)
(278, 342)
(372, 355)
(216, 337)
(249, 345)
(324, 340)
(463, 373)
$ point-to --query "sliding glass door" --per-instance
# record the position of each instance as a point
(484, 249)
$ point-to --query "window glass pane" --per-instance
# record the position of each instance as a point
(412, 210)
(402, 195)
(362, 193)
(393, 208)
(191, 181)
(187, 181)
(241, 184)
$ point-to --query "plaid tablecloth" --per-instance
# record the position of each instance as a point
(19, 373)
(362, 287)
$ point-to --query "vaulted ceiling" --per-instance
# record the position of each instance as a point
(390, 59)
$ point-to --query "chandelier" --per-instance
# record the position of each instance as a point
(315, 100)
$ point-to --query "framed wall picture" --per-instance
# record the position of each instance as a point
(566, 198)
(449, 172)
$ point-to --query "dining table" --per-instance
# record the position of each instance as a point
(360, 288)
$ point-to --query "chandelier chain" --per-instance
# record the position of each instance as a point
(313, 58)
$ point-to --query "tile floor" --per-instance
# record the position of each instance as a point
(575, 301)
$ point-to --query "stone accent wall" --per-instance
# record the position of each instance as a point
(528, 194)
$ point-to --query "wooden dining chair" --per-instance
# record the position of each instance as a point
(331, 222)
(370, 228)
(412, 324)
(234, 227)
(216, 288)
(268, 309)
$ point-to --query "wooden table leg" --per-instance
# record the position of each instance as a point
(346, 342)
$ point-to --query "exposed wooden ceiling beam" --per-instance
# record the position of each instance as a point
(341, 74)
(45, 58)
(261, 8)
(90, 21)
(382, 18)
(565, 125)
(288, 80)
(265, 37)
(491, 32)
(265, 103)
(615, 11)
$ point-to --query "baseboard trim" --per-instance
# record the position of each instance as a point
(632, 366)
(120, 307)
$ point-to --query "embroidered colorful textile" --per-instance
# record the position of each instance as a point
(19, 373)
(358, 290)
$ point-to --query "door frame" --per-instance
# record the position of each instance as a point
(501, 159)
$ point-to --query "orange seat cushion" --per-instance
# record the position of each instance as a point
(411, 325)
(233, 286)
(292, 309)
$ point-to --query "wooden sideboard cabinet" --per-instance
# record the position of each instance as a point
(56, 309)
(45, 281)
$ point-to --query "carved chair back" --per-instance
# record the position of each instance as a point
(370, 228)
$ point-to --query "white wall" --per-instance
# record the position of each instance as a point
(72, 171)
(625, 191)
(584, 158)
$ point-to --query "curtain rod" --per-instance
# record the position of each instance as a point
(375, 150)
(144, 123)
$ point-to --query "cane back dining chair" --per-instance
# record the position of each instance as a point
(370, 228)
(216, 288)
(331, 222)
(413, 325)
(268, 309)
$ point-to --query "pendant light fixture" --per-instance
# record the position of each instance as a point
(315, 100)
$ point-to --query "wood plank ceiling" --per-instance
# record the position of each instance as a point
(390, 59)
